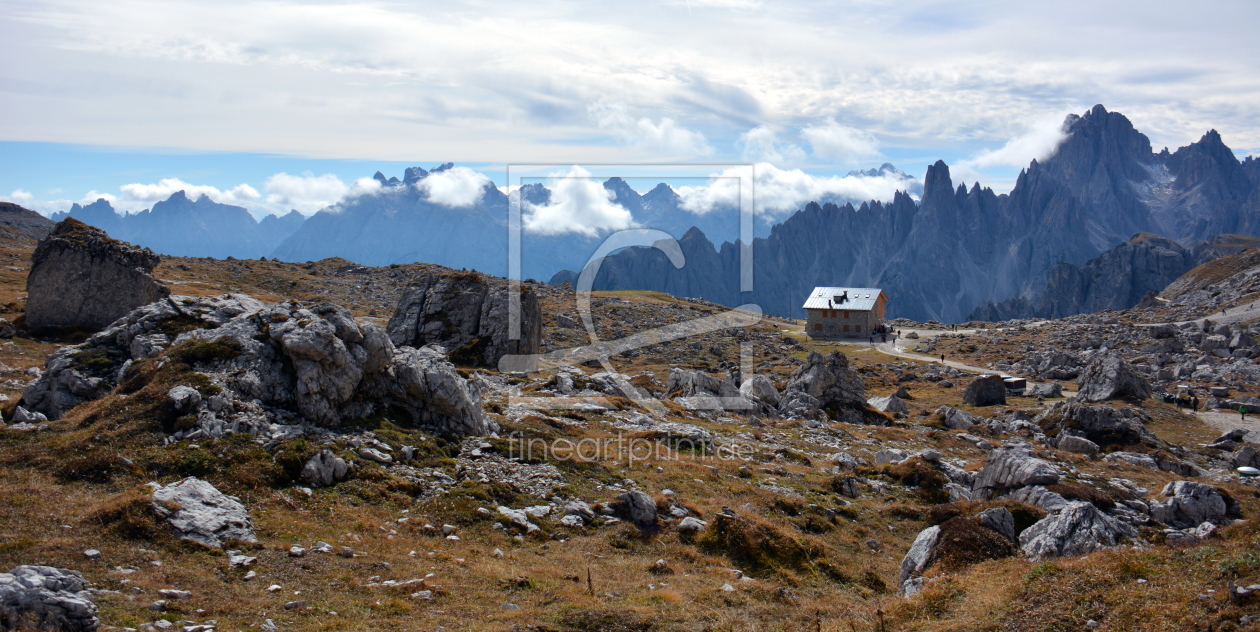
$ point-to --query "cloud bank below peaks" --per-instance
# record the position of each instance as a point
(579, 204)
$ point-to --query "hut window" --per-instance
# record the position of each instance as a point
(846, 313)
(817, 326)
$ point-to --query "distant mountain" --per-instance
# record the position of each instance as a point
(955, 249)
(24, 222)
(185, 227)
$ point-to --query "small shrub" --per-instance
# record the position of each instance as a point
(966, 541)
(759, 545)
(130, 515)
(205, 351)
(918, 473)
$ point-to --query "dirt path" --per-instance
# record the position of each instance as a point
(1232, 420)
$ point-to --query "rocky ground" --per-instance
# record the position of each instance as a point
(838, 486)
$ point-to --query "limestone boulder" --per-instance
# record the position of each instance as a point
(1110, 377)
(1045, 389)
(1014, 465)
(200, 513)
(1103, 425)
(468, 314)
(46, 598)
(80, 277)
(825, 383)
(1077, 529)
(917, 559)
(987, 390)
(889, 404)
(1188, 504)
(324, 469)
(636, 506)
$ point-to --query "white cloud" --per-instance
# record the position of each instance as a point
(579, 204)
(761, 144)
(150, 193)
(307, 193)
(456, 187)
(1040, 141)
(833, 141)
(781, 192)
(666, 137)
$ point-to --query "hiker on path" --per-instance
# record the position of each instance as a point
(1194, 403)
(1242, 412)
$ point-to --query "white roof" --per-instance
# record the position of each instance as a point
(860, 298)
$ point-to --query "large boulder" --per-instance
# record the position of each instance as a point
(468, 314)
(636, 506)
(889, 404)
(917, 560)
(760, 389)
(954, 419)
(1013, 465)
(46, 598)
(200, 513)
(1103, 425)
(80, 277)
(278, 364)
(1078, 528)
(1110, 377)
(1190, 504)
(987, 390)
(826, 383)
(324, 469)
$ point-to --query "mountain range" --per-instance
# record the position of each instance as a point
(957, 249)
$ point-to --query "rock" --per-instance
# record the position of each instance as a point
(953, 418)
(1133, 458)
(564, 321)
(691, 524)
(1079, 528)
(324, 469)
(184, 398)
(1104, 425)
(372, 454)
(1110, 377)
(171, 593)
(918, 557)
(699, 390)
(81, 278)
(1190, 504)
(46, 598)
(7, 330)
(1014, 465)
(999, 519)
(1045, 389)
(889, 455)
(518, 518)
(297, 551)
(199, 512)
(1160, 332)
(1039, 497)
(92, 554)
(636, 507)
(889, 404)
(468, 314)
(826, 382)
(24, 416)
(1079, 445)
(760, 389)
(987, 390)
(293, 605)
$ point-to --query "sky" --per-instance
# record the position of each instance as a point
(277, 105)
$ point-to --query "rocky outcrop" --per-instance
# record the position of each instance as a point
(81, 278)
(280, 364)
(1189, 504)
(467, 313)
(987, 390)
(1103, 425)
(1078, 528)
(24, 222)
(1013, 465)
(46, 598)
(826, 384)
(200, 513)
(1110, 377)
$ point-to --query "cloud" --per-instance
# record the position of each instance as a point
(666, 137)
(1039, 142)
(833, 141)
(306, 193)
(761, 144)
(456, 187)
(579, 204)
(781, 192)
(150, 193)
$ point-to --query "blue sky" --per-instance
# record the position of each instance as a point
(283, 104)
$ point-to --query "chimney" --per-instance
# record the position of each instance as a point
(842, 298)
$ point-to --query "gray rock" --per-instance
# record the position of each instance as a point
(1133, 458)
(825, 382)
(7, 330)
(1079, 528)
(81, 278)
(1040, 497)
(999, 519)
(184, 398)
(956, 419)
(987, 390)
(1079, 445)
(1110, 377)
(1045, 389)
(1103, 425)
(199, 512)
(372, 454)
(691, 524)
(889, 404)
(760, 389)
(636, 506)
(46, 598)
(889, 455)
(1013, 465)
(324, 469)
(466, 313)
(24, 416)
(1189, 504)
(919, 556)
